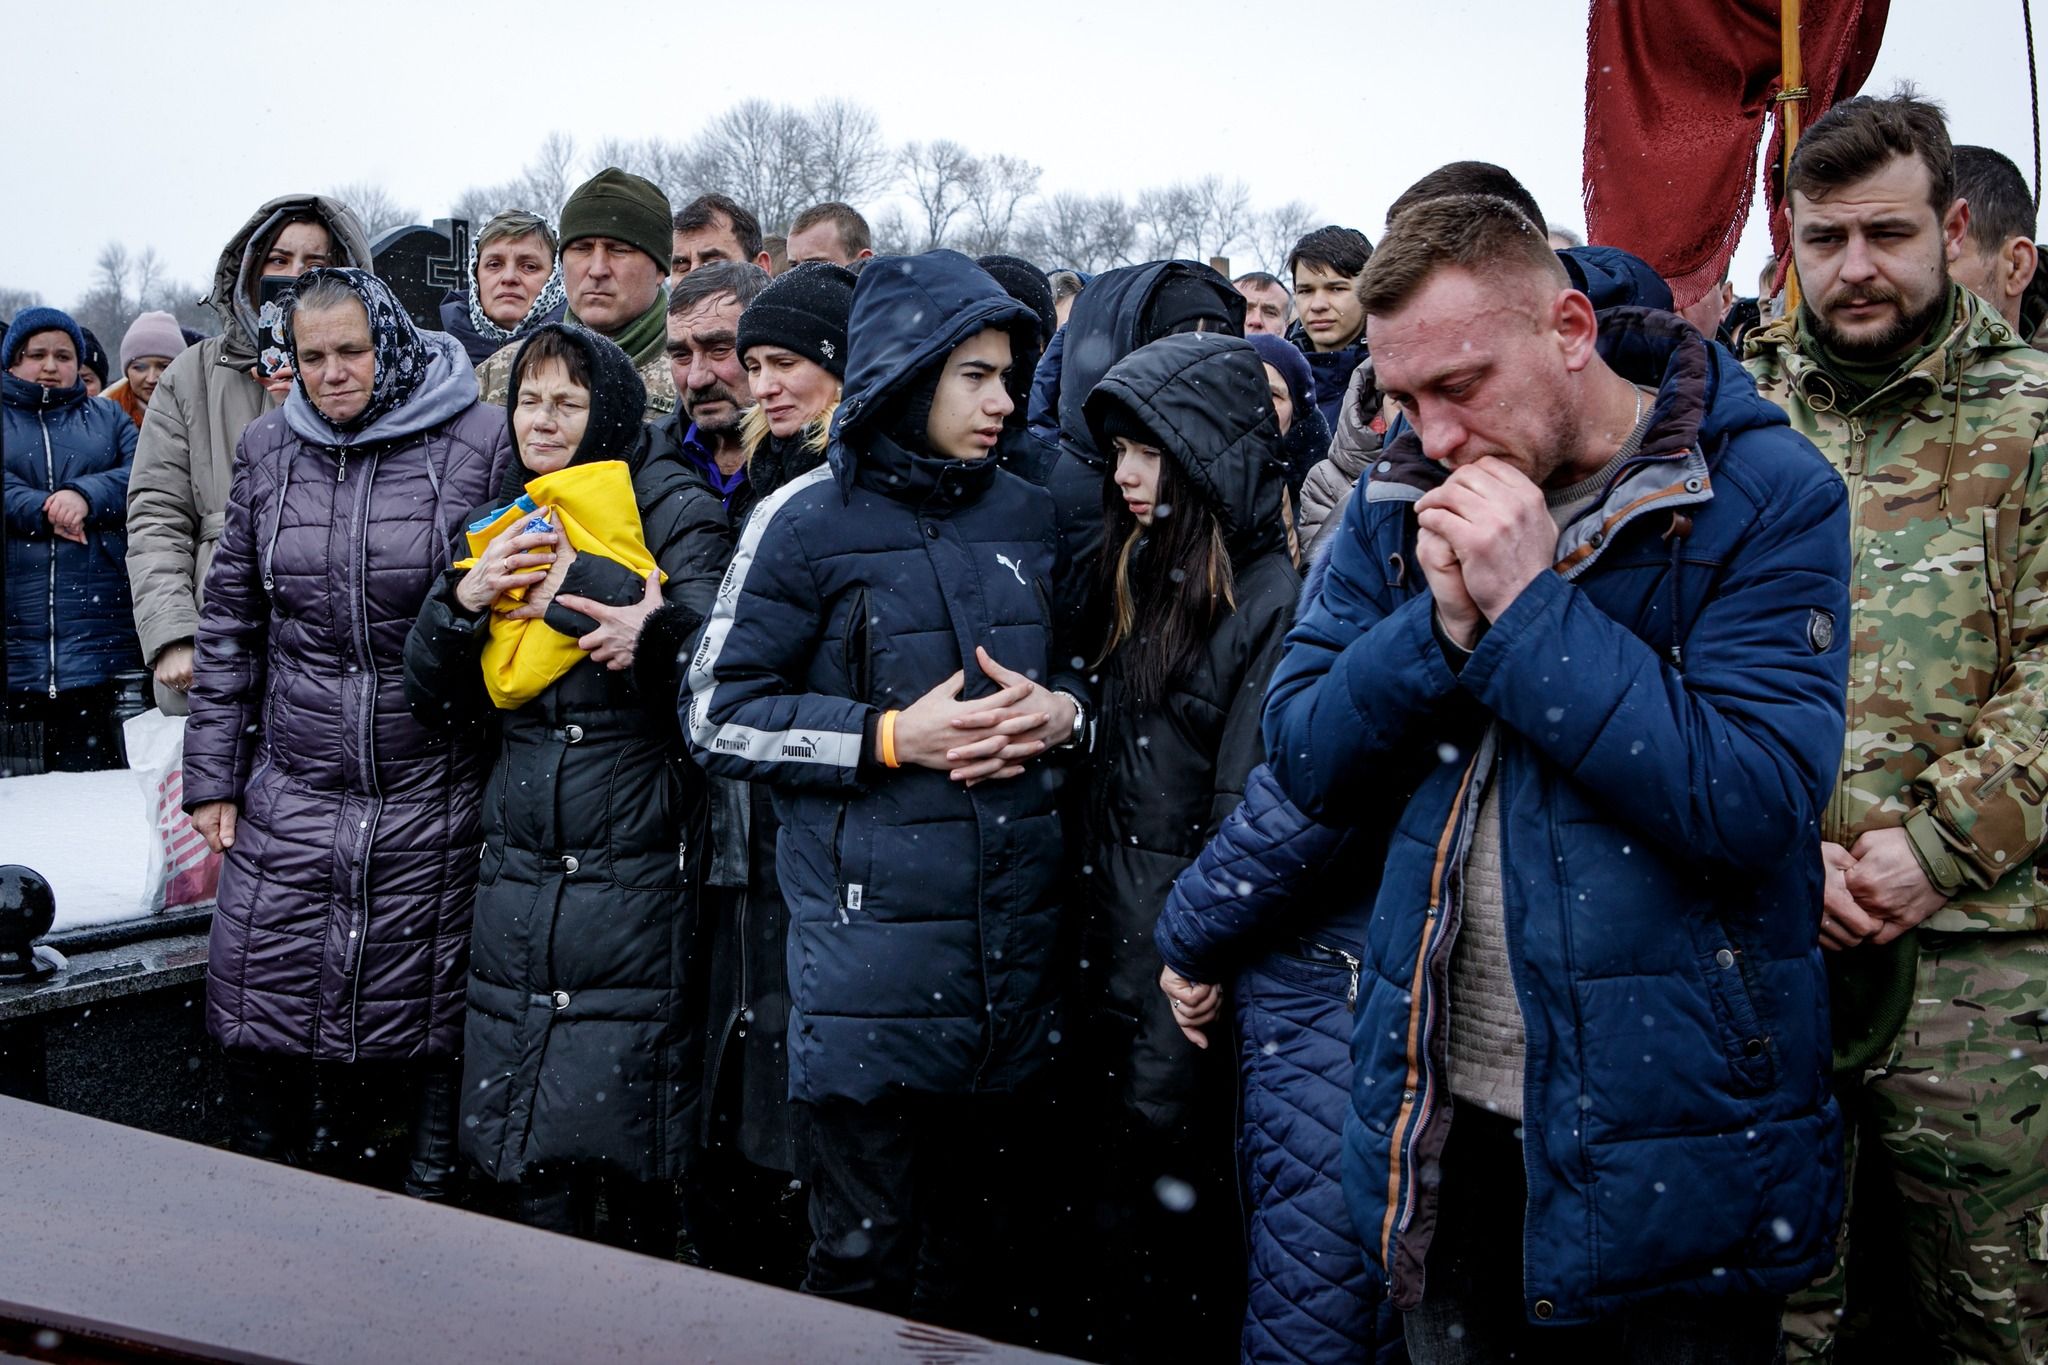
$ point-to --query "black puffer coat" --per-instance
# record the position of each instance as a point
(922, 913)
(1167, 775)
(577, 1046)
(1111, 318)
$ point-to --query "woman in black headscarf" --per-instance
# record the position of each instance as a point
(578, 1073)
(350, 831)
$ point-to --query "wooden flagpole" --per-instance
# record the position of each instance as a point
(1791, 94)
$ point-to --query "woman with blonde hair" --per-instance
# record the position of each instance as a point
(792, 340)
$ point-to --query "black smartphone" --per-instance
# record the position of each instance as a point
(271, 355)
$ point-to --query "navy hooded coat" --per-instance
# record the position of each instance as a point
(69, 621)
(1663, 716)
(922, 913)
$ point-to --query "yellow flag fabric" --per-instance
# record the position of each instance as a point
(594, 508)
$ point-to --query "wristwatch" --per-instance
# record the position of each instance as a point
(1081, 738)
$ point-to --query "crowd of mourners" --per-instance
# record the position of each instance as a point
(1432, 807)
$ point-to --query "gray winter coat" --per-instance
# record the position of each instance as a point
(1353, 446)
(184, 457)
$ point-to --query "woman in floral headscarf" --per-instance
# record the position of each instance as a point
(515, 286)
(340, 947)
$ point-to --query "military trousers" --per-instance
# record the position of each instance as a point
(1945, 1239)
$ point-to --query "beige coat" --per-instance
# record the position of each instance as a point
(1330, 482)
(185, 456)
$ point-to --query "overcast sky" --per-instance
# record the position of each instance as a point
(204, 108)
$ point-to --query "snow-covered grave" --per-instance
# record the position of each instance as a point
(90, 835)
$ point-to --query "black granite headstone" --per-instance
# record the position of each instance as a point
(421, 264)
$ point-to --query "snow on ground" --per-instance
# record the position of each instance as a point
(89, 834)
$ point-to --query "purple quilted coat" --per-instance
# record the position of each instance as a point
(343, 927)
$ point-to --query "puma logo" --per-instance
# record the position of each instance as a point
(1014, 567)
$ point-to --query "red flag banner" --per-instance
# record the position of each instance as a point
(1676, 98)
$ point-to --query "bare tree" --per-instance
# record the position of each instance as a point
(541, 187)
(847, 158)
(892, 233)
(1224, 215)
(373, 207)
(1170, 221)
(1081, 232)
(125, 285)
(13, 300)
(994, 189)
(1274, 232)
(937, 174)
(676, 168)
(760, 154)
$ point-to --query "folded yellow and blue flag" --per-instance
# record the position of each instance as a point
(594, 508)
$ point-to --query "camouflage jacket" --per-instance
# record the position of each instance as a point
(494, 382)
(1948, 606)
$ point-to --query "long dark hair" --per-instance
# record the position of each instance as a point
(1167, 584)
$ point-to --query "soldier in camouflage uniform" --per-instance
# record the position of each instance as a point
(615, 243)
(1936, 415)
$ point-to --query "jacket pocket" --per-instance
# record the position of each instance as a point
(851, 858)
(1750, 1050)
(1995, 593)
(853, 643)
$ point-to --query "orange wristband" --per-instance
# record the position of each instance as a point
(887, 734)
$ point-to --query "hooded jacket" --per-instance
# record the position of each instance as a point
(1167, 774)
(1107, 323)
(577, 1045)
(184, 457)
(922, 912)
(1662, 716)
(343, 925)
(68, 619)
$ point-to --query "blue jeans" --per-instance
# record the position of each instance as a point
(1471, 1311)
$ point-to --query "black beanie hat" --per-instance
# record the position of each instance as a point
(804, 310)
(1027, 284)
(93, 355)
(625, 207)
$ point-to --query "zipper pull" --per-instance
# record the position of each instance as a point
(1351, 996)
(1855, 445)
(341, 472)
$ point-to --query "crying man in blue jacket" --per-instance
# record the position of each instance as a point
(1578, 658)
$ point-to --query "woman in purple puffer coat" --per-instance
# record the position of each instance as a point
(339, 951)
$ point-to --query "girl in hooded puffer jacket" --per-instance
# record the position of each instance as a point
(1199, 589)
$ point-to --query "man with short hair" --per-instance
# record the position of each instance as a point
(1330, 326)
(703, 354)
(832, 232)
(1936, 414)
(1572, 665)
(1998, 256)
(1268, 306)
(715, 227)
(614, 231)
